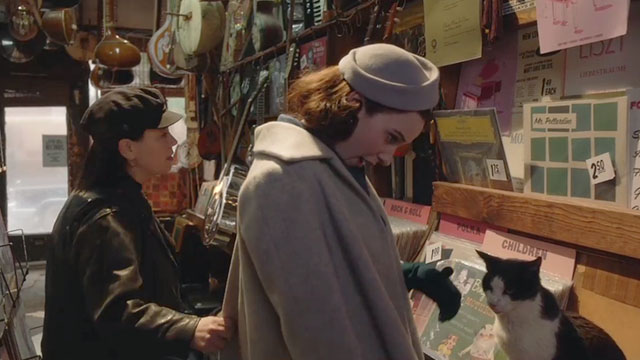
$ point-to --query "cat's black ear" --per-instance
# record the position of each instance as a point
(488, 259)
(534, 266)
(537, 262)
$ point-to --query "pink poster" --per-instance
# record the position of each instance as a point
(488, 82)
(567, 23)
(606, 65)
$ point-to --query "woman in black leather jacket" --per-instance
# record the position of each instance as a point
(112, 288)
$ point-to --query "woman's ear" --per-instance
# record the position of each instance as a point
(354, 96)
(126, 148)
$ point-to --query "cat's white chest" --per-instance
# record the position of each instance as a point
(524, 335)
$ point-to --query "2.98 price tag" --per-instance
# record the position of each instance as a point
(600, 168)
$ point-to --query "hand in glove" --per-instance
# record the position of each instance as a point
(436, 285)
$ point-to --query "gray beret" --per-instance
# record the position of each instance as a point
(392, 76)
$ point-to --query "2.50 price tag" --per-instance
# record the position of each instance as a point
(600, 168)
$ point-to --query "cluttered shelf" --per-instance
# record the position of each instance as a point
(591, 225)
(310, 33)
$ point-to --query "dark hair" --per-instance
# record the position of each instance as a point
(104, 166)
(319, 100)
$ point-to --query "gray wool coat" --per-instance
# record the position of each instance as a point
(315, 272)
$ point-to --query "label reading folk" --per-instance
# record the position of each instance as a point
(554, 121)
(496, 170)
(600, 168)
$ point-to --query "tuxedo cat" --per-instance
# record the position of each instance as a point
(529, 322)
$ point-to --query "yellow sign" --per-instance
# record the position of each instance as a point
(466, 129)
(452, 31)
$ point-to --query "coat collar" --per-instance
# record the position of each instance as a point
(289, 143)
(292, 143)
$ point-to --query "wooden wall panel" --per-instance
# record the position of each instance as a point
(619, 320)
(613, 278)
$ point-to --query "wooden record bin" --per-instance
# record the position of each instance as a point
(607, 241)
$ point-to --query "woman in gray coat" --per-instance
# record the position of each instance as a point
(315, 272)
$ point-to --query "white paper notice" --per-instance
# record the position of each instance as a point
(539, 76)
(606, 65)
(54, 150)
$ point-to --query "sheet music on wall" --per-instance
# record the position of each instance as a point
(634, 148)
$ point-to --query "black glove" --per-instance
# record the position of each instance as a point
(436, 285)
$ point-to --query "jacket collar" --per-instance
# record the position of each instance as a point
(129, 190)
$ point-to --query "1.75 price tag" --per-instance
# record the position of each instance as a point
(497, 170)
(600, 168)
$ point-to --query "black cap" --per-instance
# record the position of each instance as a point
(126, 113)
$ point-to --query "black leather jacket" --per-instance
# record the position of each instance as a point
(112, 282)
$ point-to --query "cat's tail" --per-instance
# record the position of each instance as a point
(600, 345)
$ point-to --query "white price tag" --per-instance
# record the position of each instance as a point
(600, 168)
(434, 252)
(496, 170)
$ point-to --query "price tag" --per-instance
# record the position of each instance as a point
(600, 168)
(434, 252)
(496, 170)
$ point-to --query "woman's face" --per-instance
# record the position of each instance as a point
(153, 153)
(377, 137)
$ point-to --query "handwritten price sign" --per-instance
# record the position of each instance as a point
(600, 168)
